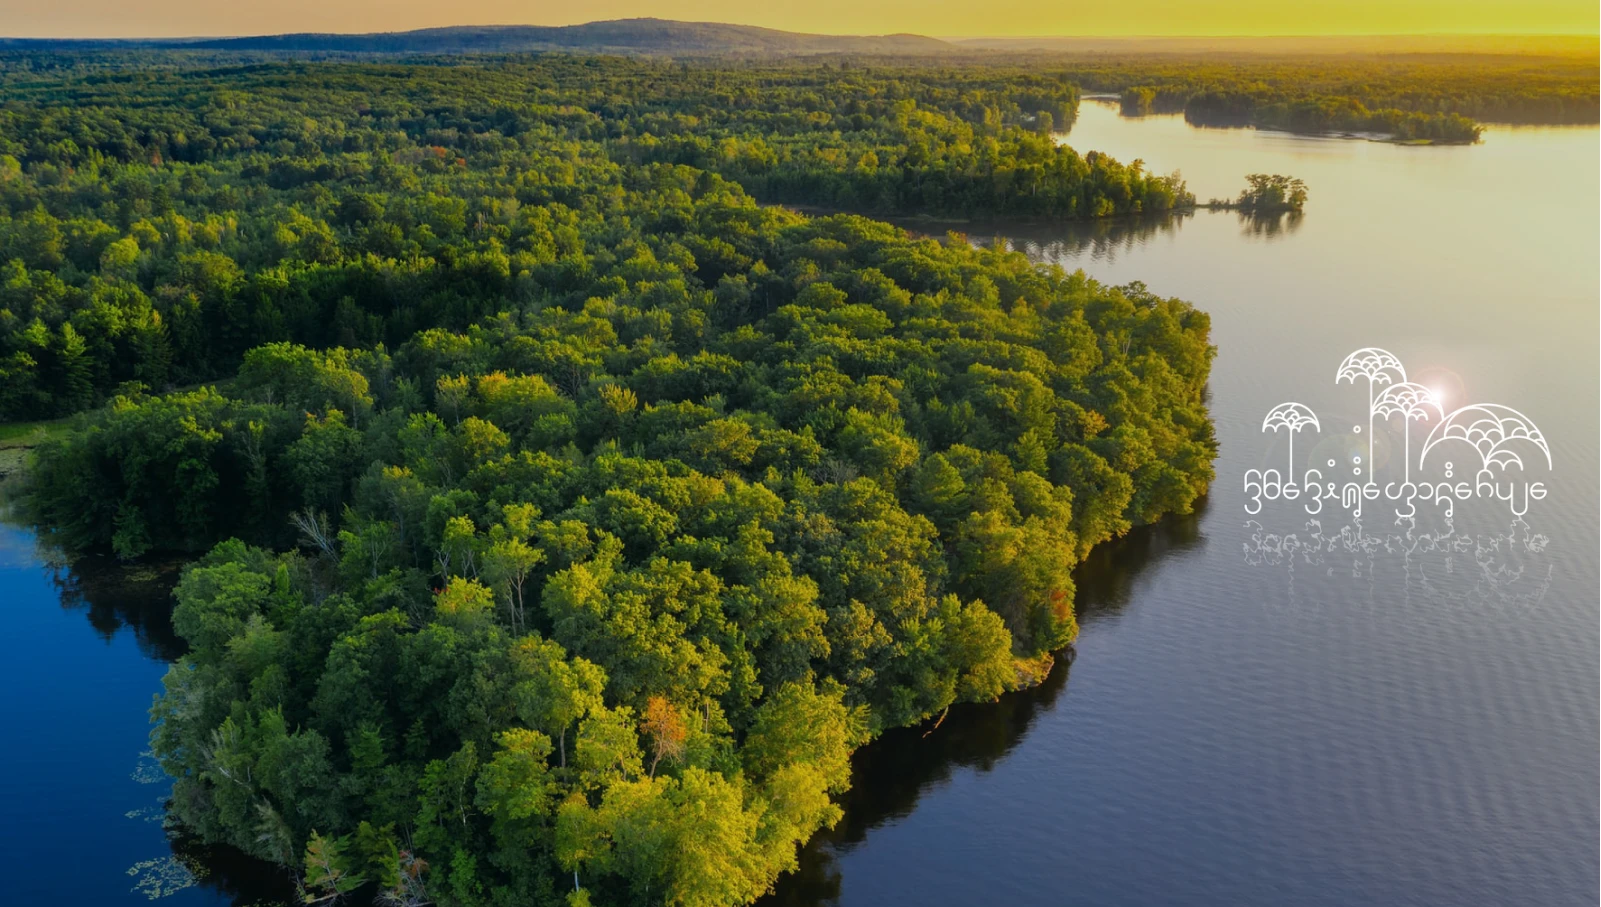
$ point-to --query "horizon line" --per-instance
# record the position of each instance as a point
(959, 37)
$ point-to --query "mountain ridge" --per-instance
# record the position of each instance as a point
(649, 36)
(639, 35)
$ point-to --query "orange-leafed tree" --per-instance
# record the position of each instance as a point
(664, 725)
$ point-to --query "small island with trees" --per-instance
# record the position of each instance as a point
(1265, 194)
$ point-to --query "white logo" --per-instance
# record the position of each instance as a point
(1499, 436)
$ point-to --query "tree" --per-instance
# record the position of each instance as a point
(662, 723)
(327, 870)
(215, 602)
(557, 691)
(446, 797)
(324, 460)
(516, 789)
(510, 559)
(76, 371)
(608, 747)
(798, 724)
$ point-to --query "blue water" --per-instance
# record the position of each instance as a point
(82, 797)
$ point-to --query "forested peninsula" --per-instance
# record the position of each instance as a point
(569, 517)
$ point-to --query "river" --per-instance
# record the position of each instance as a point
(1246, 722)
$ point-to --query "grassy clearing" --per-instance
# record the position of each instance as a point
(18, 438)
(28, 434)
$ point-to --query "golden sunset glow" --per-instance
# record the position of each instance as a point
(166, 18)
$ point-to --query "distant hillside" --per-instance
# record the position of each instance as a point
(644, 36)
(665, 36)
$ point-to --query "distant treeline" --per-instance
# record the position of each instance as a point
(1440, 98)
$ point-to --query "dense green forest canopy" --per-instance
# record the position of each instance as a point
(158, 218)
(154, 225)
(572, 516)
(615, 586)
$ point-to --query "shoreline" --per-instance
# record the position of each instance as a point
(17, 441)
(1113, 100)
(918, 222)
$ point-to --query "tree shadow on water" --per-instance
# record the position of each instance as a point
(1106, 578)
(241, 879)
(1269, 224)
(115, 595)
(137, 597)
(890, 775)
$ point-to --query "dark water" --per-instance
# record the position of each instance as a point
(1402, 716)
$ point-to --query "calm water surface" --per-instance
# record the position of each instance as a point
(1240, 727)
(1365, 729)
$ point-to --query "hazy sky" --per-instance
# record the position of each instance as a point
(166, 18)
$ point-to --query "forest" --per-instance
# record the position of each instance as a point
(566, 514)
(1441, 98)
(156, 224)
(570, 517)
(159, 219)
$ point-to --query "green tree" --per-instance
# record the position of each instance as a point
(328, 876)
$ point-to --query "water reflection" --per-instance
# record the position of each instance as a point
(115, 596)
(1510, 569)
(1268, 225)
(1105, 579)
(136, 598)
(227, 875)
(1101, 240)
(235, 877)
(889, 775)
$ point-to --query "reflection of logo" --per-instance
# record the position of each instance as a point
(1496, 433)
(1509, 567)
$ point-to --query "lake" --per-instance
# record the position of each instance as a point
(1364, 713)
(1372, 728)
